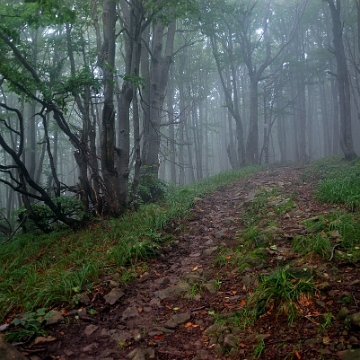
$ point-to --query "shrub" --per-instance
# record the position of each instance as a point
(46, 219)
(151, 188)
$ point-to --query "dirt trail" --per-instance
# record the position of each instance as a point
(176, 310)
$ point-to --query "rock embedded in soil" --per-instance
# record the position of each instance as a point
(202, 355)
(120, 336)
(163, 281)
(56, 317)
(82, 299)
(8, 352)
(210, 251)
(113, 284)
(248, 280)
(177, 320)
(113, 296)
(219, 235)
(325, 286)
(172, 291)
(210, 286)
(230, 341)
(136, 354)
(354, 319)
(90, 329)
(82, 313)
(160, 330)
(215, 329)
(130, 312)
(90, 348)
(343, 313)
(352, 354)
(355, 283)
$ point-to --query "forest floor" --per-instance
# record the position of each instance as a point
(233, 255)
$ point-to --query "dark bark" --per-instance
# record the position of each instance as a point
(343, 83)
(160, 63)
(107, 141)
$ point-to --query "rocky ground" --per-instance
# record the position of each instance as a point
(193, 300)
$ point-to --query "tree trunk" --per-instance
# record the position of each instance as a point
(252, 144)
(110, 173)
(172, 148)
(342, 77)
(159, 73)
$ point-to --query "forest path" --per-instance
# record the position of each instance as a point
(190, 302)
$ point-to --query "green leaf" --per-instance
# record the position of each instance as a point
(41, 312)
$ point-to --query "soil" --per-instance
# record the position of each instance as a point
(189, 303)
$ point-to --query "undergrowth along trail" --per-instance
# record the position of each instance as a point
(265, 268)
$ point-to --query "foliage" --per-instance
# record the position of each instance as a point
(259, 348)
(348, 226)
(31, 324)
(315, 244)
(341, 190)
(46, 219)
(82, 78)
(151, 188)
(281, 291)
(329, 167)
(45, 270)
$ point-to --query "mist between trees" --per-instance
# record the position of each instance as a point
(102, 101)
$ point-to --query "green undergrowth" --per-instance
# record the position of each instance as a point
(279, 291)
(330, 236)
(43, 271)
(339, 181)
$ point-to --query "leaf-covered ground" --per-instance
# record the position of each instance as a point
(259, 270)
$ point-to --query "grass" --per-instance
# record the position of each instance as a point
(317, 244)
(259, 349)
(339, 181)
(279, 291)
(43, 271)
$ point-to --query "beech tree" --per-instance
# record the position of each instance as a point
(342, 77)
(95, 96)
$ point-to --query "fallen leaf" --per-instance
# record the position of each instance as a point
(233, 292)
(188, 324)
(195, 268)
(158, 336)
(195, 326)
(304, 300)
(168, 307)
(243, 302)
(228, 257)
(203, 312)
(297, 354)
(140, 310)
(326, 340)
(176, 309)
